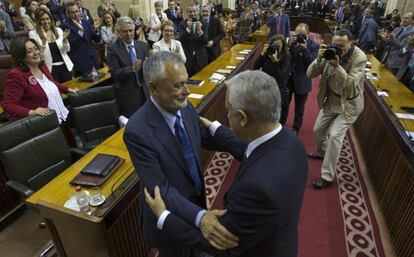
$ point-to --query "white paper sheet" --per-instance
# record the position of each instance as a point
(195, 96)
(405, 116)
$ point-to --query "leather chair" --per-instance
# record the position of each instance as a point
(33, 151)
(94, 114)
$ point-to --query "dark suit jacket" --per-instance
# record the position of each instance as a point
(57, 10)
(263, 203)
(158, 160)
(175, 19)
(127, 82)
(368, 32)
(215, 33)
(284, 25)
(6, 36)
(193, 42)
(82, 52)
(301, 59)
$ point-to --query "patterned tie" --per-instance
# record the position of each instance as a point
(184, 140)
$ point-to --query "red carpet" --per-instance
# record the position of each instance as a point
(337, 221)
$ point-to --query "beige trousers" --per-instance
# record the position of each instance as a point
(329, 132)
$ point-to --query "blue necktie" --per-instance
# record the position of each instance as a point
(184, 140)
(133, 58)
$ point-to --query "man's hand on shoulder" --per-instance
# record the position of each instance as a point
(205, 122)
(215, 233)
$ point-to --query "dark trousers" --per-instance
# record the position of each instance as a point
(366, 46)
(192, 66)
(300, 101)
(61, 74)
(284, 94)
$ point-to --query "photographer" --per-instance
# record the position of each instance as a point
(303, 51)
(340, 99)
(275, 60)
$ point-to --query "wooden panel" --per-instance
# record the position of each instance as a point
(388, 154)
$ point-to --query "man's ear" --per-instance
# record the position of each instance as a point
(243, 117)
(153, 88)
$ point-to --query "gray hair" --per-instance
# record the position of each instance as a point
(206, 6)
(257, 94)
(154, 66)
(122, 21)
(158, 3)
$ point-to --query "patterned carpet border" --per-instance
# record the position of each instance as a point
(360, 234)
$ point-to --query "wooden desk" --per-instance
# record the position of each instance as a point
(75, 83)
(260, 35)
(113, 229)
(389, 154)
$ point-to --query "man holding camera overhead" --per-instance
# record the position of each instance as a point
(340, 99)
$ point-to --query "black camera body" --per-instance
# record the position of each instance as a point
(301, 38)
(331, 51)
(272, 49)
(194, 19)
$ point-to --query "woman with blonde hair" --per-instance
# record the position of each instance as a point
(107, 29)
(167, 42)
(54, 45)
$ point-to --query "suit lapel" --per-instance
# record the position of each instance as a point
(123, 52)
(165, 136)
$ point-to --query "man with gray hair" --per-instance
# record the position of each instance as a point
(164, 139)
(264, 201)
(125, 58)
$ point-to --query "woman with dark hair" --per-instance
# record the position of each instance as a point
(275, 60)
(28, 18)
(107, 29)
(54, 45)
(108, 6)
(29, 87)
(228, 25)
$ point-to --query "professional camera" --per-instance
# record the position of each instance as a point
(301, 38)
(272, 49)
(194, 19)
(331, 51)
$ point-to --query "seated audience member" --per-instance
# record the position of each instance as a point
(303, 51)
(263, 203)
(215, 33)
(81, 34)
(108, 33)
(155, 21)
(141, 29)
(107, 6)
(57, 9)
(9, 9)
(174, 14)
(28, 18)
(404, 57)
(368, 32)
(167, 42)
(54, 45)
(194, 37)
(396, 40)
(125, 58)
(278, 22)
(276, 61)
(229, 26)
(6, 33)
(30, 88)
(85, 14)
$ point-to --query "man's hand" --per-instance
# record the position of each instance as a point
(206, 122)
(189, 24)
(137, 65)
(156, 203)
(199, 25)
(210, 43)
(334, 62)
(321, 52)
(215, 233)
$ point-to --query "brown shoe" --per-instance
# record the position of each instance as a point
(315, 156)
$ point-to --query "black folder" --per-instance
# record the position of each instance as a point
(101, 165)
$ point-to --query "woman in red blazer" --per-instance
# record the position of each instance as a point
(29, 87)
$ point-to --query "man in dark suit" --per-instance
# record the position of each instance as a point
(174, 15)
(303, 51)
(368, 33)
(279, 22)
(164, 139)
(125, 57)
(215, 33)
(84, 12)
(81, 33)
(194, 37)
(6, 32)
(264, 201)
(57, 9)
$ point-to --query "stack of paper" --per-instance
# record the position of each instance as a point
(216, 78)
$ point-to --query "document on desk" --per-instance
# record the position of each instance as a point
(224, 71)
(405, 116)
(230, 67)
(382, 93)
(195, 96)
(239, 58)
